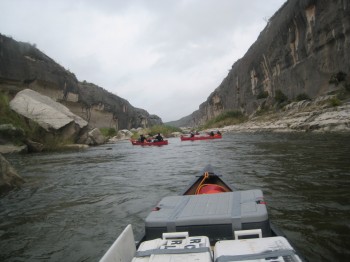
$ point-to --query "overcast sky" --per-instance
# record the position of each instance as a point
(164, 56)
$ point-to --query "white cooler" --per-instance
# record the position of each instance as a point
(276, 249)
(175, 247)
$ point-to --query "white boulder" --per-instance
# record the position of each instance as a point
(95, 137)
(44, 111)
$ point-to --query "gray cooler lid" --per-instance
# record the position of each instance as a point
(225, 208)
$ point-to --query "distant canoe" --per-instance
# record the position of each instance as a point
(155, 143)
(199, 137)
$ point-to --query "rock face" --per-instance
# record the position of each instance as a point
(303, 45)
(103, 109)
(23, 66)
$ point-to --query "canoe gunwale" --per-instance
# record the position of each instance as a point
(195, 138)
(157, 143)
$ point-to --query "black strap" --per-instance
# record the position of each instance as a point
(267, 254)
(147, 253)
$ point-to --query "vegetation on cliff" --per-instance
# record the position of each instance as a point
(225, 119)
(21, 128)
(108, 132)
(7, 116)
(163, 129)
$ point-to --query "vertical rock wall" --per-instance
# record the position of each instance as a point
(301, 47)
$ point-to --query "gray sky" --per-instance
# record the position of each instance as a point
(165, 56)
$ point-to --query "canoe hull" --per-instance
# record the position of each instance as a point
(213, 178)
(194, 138)
(158, 143)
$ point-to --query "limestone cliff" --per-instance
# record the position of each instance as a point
(23, 66)
(301, 47)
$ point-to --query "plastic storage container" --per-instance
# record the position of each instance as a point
(175, 247)
(214, 215)
(276, 249)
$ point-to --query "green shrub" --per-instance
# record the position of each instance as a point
(55, 143)
(262, 94)
(337, 78)
(280, 97)
(8, 116)
(225, 119)
(347, 87)
(302, 97)
(163, 129)
(108, 131)
(334, 101)
(264, 109)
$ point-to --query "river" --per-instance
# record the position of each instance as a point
(74, 204)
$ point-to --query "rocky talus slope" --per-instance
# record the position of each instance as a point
(303, 116)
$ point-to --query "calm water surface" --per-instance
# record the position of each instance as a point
(74, 204)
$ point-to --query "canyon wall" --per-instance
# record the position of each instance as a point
(303, 45)
(23, 66)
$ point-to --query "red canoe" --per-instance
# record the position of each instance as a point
(157, 143)
(188, 138)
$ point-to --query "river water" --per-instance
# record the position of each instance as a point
(74, 204)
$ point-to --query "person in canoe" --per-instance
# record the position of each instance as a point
(218, 133)
(192, 134)
(211, 133)
(142, 139)
(158, 138)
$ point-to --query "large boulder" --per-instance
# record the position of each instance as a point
(95, 138)
(33, 146)
(43, 110)
(9, 178)
(124, 134)
(121, 135)
(47, 113)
